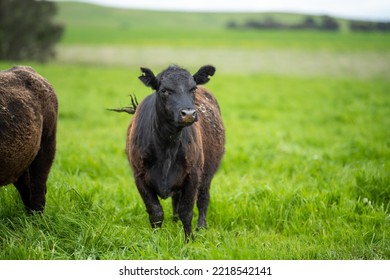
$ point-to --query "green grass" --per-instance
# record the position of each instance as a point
(306, 169)
(308, 40)
(305, 175)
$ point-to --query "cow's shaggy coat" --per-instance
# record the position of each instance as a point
(175, 143)
(28, 122)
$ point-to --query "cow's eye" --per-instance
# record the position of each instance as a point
(165, 92)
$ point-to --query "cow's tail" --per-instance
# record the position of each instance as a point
(131, 109)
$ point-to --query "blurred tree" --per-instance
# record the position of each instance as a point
(232, 24)
(309, 23)
(27, 30)
(329, 23)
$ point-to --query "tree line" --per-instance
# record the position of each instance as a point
(325, 22)
(369, 26)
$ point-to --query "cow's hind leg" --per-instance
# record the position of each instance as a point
(175, 206)
(32, 183)
(39, 172)
(23, 187)
(186, 207)
(202, 203)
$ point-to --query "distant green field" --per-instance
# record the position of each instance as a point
(81, 14)
(128, 38)
(306, 169)
(227, 38)
(94, 25)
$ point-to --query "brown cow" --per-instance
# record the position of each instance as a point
(28, 122)
(175, 144)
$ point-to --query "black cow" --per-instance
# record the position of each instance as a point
(175, 144)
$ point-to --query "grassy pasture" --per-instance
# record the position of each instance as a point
(306, 169)
(93, 25)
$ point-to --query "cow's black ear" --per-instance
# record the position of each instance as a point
(148, 78)
(202, 76)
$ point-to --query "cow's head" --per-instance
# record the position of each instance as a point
(175, 88)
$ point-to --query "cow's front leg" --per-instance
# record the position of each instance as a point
(152, 203)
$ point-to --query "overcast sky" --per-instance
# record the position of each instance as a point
(355, 9)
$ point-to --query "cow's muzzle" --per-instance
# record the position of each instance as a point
(188, 116)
